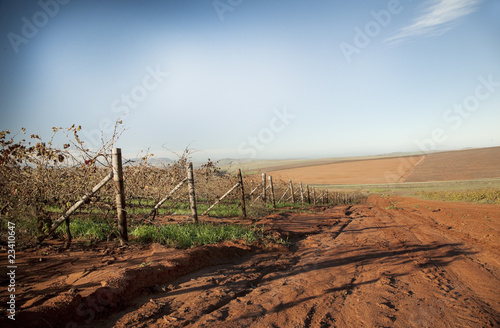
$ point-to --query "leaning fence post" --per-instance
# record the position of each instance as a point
(77, 205)
(192, 195)
(221, 198)
(157, 206)
(273, 199)
(240, 180)
(264, 187)
(116, 160)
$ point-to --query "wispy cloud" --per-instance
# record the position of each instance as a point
(438, 17)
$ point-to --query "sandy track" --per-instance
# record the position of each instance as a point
(391, 262)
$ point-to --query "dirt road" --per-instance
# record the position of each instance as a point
(390, 262)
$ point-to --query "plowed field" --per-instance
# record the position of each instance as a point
(387, 170)
(457, 165)
(389, 262)
(470, 164)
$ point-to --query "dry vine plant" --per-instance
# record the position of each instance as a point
(39, 180)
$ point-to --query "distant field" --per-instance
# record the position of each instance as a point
(252, 167)
(463, 165)
(470, 164)
(373, 171)
(412, 188)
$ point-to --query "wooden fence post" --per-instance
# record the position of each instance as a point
(116, 160)
(273, 200)
(314, 195)
(301, 193)
(192, 194)
(291, 189)
(68, 232)
(308, 195)
(243, 208)
(264, 187)
(326, 196)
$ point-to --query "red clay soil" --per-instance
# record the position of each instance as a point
(389, 262)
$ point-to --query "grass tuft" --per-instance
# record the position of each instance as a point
(88, 229)
(192, 234)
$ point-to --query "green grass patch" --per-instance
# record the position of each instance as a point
(394, 206)
(412, 188)
(88, 230)
(223, 209)
(178, 235)
(192, 234)
(220, 210)
(143, 207)
(488, 196)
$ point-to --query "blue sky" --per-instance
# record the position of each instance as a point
(260, 78)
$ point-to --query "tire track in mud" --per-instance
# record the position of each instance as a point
(445, 268)
(300, 265)
(318, 308)
(261, 274)
(71, 309)
(351, 266)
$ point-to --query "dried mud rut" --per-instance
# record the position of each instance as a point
(389, 262)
